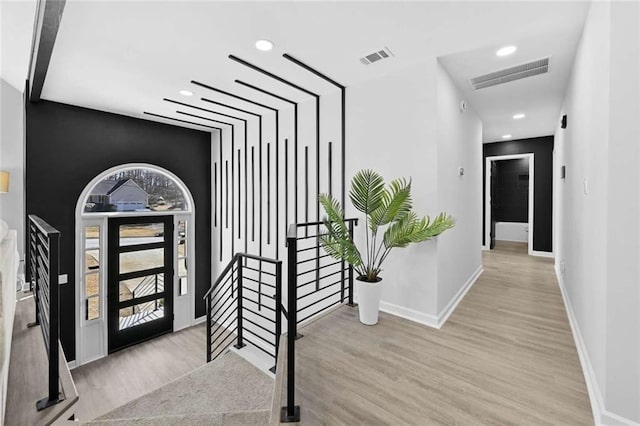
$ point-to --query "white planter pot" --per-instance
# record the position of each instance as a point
(369, 301)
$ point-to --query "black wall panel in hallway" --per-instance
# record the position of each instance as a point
(512, 203)
(68, 146)
(542, 148)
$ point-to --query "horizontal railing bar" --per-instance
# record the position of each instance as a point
(257, 314)
(258, 346)
(222, 334)
(258, 270)
(313, 258)
(320, 289)
(221, 303)
(231, 265)
(310, 236)
(259, 304)
(259, 293)
(259, 326)
(228, 316)
(310, 248)
(319, 311)
(224, 340)
(300, 225)
(258, 282)
(259, 337)
(260, 258)
(320, 300)
(319, 268)
(220, 291)
(322, 277)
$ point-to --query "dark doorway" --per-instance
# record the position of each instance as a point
(140, 305)
(509, 197)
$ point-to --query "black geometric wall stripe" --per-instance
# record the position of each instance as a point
(343, 96)
(226, 193)
(306, 187)
(295, 181)
(268, 193)
(181, 121)
(286, 185)
(239, 197)
(215, 194)
(220, 204)
(330, 166)
(253, 195)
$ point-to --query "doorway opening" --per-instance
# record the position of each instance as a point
(509, 200)
(134, 259)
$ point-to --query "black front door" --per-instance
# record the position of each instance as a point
(140, 290)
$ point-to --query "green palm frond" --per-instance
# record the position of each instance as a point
(367, 191)
(336, 240)
(382, 206)
(396, 203)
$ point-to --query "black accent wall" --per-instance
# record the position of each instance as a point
(542, 148)
(512, 192)
(68, 146)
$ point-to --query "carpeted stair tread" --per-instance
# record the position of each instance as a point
(260, 417)
(228, 385)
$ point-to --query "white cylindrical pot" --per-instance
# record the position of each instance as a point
(369, 301)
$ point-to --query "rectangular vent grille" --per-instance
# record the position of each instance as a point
(376, 56)
(518, 72)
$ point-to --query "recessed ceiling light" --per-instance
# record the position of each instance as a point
(264, 45)
(507, 50)
(506, 136)
(518, 116)
(186, 93)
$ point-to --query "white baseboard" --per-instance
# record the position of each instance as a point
(444, 315)
(542, 253)
(600, 415)
(429, 319)
(199, 320)
(410, 314)
(71, 364)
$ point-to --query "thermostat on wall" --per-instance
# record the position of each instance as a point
(463, 106)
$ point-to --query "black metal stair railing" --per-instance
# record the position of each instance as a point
(43, 262)
(325, 284)
(245, 305)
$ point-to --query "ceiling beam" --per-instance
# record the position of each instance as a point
(49, 15)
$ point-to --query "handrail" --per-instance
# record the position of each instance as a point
(230, 265)
(44, 256)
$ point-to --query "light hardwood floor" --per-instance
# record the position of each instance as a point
(128, 374)
(505, 357)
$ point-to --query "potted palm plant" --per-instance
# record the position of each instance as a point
(389, 207)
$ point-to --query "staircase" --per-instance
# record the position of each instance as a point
(226, 391)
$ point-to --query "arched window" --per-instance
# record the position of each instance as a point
(137, 189)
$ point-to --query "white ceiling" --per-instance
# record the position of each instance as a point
(124, 57)
(538, 97)
(16, 29)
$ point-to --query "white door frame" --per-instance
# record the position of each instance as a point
(83, 219)
(487, 205)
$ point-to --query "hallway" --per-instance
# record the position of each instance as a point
(506, 356)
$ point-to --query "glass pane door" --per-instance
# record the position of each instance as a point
(140, 262)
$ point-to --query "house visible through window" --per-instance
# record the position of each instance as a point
(136, 190)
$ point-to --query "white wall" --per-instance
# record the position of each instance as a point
(459, 145)
(391, 128)
(512, 231)
(597, 250)
(407, 124)
(12, 158)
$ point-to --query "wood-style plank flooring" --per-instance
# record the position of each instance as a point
(505, 357)
(128, 374)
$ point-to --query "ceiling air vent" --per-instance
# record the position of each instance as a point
(376, 56)
(518, 72)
